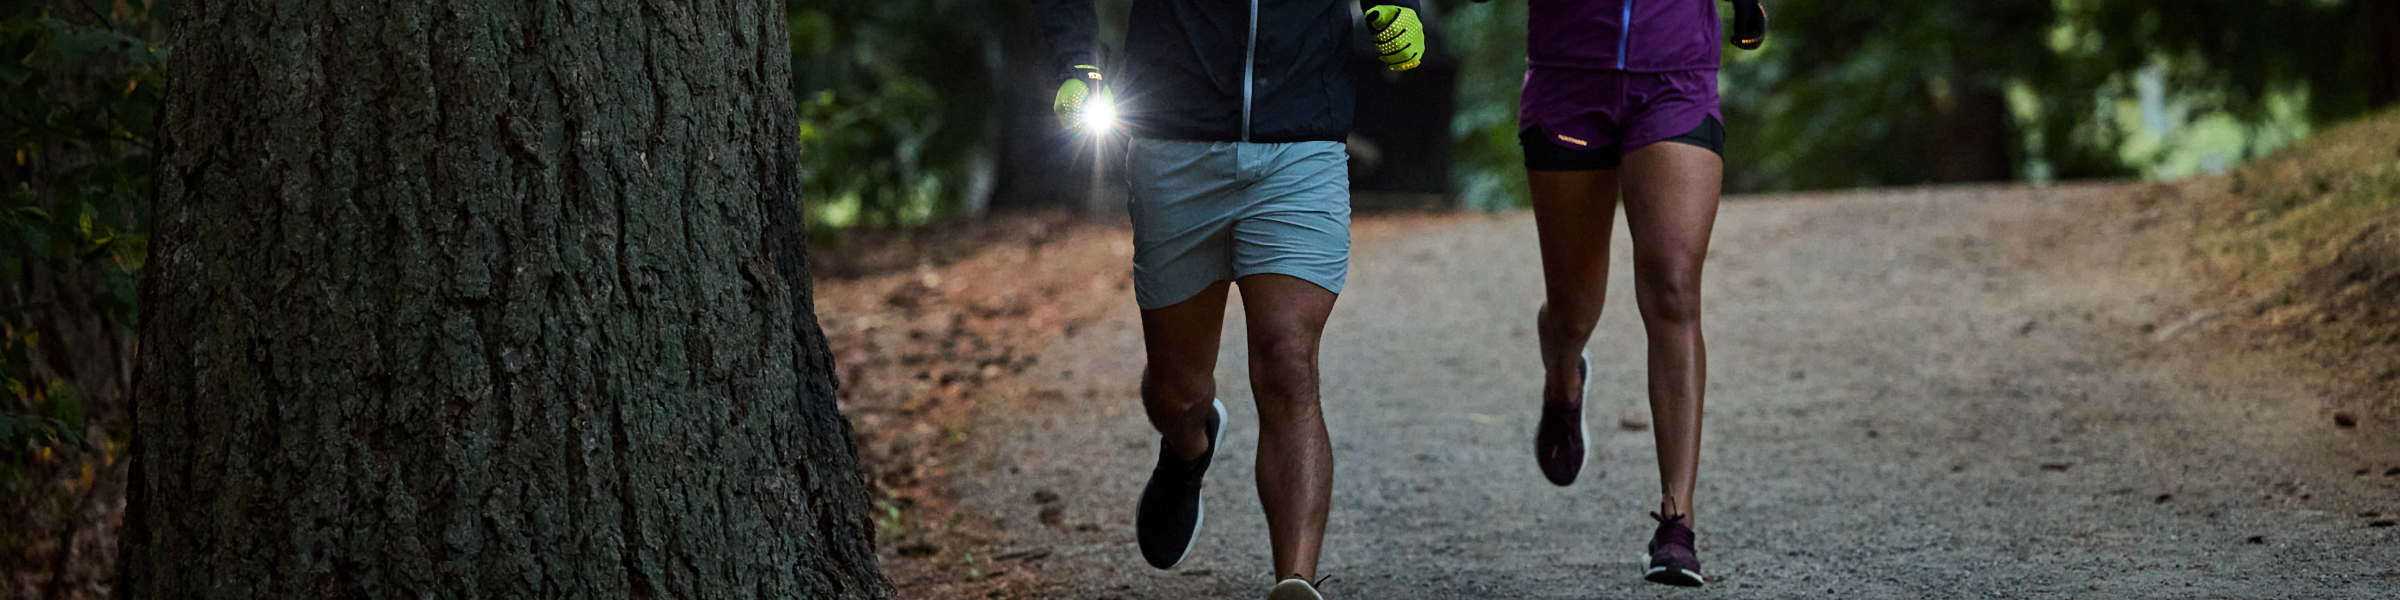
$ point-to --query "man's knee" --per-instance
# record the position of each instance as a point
(1285, 353)
(1178, 383)
(1287, 370)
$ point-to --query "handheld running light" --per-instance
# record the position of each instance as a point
(1100, 114)
(1749, 24)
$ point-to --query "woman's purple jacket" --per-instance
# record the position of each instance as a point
(1642, 36)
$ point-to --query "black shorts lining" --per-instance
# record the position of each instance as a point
(1544, 153)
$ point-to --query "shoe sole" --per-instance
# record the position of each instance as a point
(1294, 589)
(1200, 512)
(1672, 576)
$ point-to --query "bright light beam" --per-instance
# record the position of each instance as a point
(1100, 115)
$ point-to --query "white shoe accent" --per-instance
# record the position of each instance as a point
(1585, 424)
(1200, 506)
(1294, 589)
(1649, 570)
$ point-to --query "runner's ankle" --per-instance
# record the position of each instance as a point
(1189, 447)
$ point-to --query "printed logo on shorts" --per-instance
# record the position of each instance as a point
(1574, 141)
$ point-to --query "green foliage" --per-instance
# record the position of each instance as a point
(2295, 210)
(76, 116)
(1852, 94)
(1849, 94)
(898, 96)
(2246, 51)
(1862, 94)
(1489, 40)
(79, 110)
(895, 100)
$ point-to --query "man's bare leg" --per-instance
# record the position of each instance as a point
(1181, 378)
(1286, 316)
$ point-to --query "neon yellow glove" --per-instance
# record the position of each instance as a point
(1076, 94)
(1399, 36)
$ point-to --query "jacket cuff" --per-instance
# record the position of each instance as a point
(1069, 63)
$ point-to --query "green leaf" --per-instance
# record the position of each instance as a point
(65, 405)
(34, 239)
(77, 45)
(132, 250)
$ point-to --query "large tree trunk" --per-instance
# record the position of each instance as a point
(457, 299)
(1977, 134)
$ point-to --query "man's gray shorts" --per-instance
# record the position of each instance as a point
(1205, 212)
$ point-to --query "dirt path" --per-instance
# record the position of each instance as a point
(1982, 392)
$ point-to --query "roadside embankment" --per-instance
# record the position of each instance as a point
(2308, 241)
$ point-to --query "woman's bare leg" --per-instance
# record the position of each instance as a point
(1671, 194)
(1574, 212)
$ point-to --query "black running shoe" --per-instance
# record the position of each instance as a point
(1168, 520)
(1671, 559)
(1558, 439)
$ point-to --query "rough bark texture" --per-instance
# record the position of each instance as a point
(459, 299)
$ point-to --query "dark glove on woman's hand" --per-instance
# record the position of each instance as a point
(1749, 24)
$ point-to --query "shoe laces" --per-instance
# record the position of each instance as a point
(1673, 530)
(1318, 585)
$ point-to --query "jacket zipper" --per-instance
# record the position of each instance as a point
(1249, 70)
(1625, 34)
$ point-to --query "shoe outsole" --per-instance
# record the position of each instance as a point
(1200, 512)
(1672, 576)
(1293, 589)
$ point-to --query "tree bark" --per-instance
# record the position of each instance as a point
(1977, 135)
(458, 299)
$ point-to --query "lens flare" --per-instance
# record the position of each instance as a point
(1100, 114)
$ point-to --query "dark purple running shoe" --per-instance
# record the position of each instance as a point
(1671, 559)
(1558, 439)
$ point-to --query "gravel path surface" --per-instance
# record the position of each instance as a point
(1964, 392)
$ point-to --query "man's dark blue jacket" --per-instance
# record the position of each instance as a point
(1268, 71)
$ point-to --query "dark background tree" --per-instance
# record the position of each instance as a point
(469, 299)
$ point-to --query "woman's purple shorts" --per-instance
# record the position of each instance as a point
(1593, 117)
